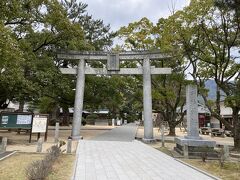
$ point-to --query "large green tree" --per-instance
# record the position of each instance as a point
(100, 90)
(209, 38)
(167, 89)
(11, 74)
(230, 5)
(38, 29)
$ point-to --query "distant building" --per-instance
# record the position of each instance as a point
(226, 113)
(204, 115)
(14, 106)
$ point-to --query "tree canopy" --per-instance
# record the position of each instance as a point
(202, 41)
(34, 32)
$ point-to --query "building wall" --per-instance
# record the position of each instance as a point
(215, 123)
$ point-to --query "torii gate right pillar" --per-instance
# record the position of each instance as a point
(147, 100)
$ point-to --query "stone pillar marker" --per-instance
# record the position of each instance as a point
(3, 146)
(162, 136)
(226, 151)
(69, 145)
(39, 145)
(185, 151)
(121, 120)
(193, 144)
(192, 112)
(56, 136)
(113, 122)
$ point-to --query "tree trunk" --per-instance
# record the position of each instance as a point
(171, 129)
(21, 106)
(172, 123)
(218, 98)
(65, 117)
(236, 126)
(54, 114)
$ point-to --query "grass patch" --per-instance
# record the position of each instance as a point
(165, 150)
(62, 168)
(13, 168)
(230, 170)
(168, 149)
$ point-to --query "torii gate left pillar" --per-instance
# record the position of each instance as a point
(113, 68)
(78, 102)
(147, 100)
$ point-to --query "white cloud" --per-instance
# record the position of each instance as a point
(119, 13)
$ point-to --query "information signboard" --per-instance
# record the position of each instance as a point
(39, 125)
(23, 120)
(11, 120)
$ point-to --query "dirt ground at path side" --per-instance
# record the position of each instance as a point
(20, 142)
(181, 133)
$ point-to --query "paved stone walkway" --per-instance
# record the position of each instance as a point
(115, 155)
(121, 133)
(114, 160)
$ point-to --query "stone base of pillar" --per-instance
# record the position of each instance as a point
(148, 141)
(195, 147)
(76, 137)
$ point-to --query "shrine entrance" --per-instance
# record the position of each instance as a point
(113, 68)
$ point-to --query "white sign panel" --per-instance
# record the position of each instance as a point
(39, 125)
(4, 119)
(24, 119)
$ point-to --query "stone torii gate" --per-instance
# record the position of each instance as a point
(113, 61)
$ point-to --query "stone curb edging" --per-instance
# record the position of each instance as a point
(12, 153)
(199, 170)
(234, 155)
(76, 161)
(186, 164)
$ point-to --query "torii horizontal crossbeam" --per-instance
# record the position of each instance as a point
(123, 71)
(92, 56)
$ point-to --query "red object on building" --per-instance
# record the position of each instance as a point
(203, 120)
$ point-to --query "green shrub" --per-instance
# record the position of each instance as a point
(39, 170)
(90, 119)
(92, 116)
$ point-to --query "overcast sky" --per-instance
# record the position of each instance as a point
(119, 13)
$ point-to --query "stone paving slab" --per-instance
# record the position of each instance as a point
(115, 160)
(3, 154)
(120, 133)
